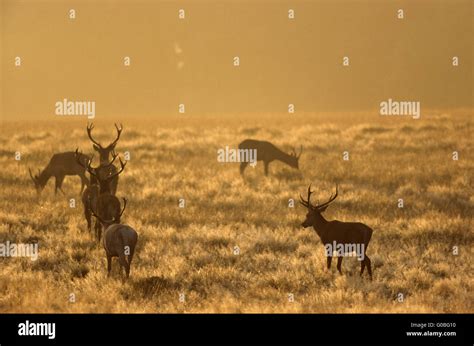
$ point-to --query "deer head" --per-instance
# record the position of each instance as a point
(314, 210)
(295, 158)
(98, 173)
(104, 152)
(115, 220)
(38, 181)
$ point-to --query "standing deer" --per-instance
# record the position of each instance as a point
(267, 153)
(104, 153)
(59, 166)
(92, 192)
(333, 233)
(119, 241)
(108, 205)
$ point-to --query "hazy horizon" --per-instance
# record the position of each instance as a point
(190, 61)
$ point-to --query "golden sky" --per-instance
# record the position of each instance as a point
(190, 61)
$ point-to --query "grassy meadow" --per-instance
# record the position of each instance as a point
(190, 252)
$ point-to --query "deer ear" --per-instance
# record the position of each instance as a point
(96, 148)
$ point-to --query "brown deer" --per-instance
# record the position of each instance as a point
(119, 241)
(336, 234)
(267, 153)
(104, 153)
(61, 165)
(92, 192)
(108, 205)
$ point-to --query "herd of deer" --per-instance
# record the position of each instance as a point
(119, 240)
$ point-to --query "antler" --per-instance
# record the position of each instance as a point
(88, 167)
(122, 167)
(293, 152)
(89, 133)
(31, 174)
(124, 205)
(307, 203)
(332, 198)
(97, 216)
(119, 131)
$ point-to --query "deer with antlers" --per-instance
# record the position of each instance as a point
(119, 241)
(338, 235)
(61, 165)
(107, 204)
(104, 154)
(267, 153)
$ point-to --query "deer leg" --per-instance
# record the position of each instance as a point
(97, 230)
(109, 265)
(84, 182)
(329, 260)
(243, 165)
(339, 262)
(369, 266)
(124, 264)
(265, 165)
(362, 266)
(58, 184)
(88, 215)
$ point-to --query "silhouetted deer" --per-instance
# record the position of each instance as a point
(108, 205)
(336, 232)
(61, 165)
(119, 241)
(91, 193)
(267, 153)
(104, 154)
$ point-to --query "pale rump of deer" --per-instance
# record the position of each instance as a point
(119, 241)
(336, 232)
(61, 165)
(107, 204)
(104, 153)
(267, 153)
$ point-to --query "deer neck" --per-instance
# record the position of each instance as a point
(44, 176)
(286, 158)
(320, 226)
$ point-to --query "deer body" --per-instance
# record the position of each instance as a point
(61, 165)
(100, 197)
(120, 241)
(267, 152)
(345, 234)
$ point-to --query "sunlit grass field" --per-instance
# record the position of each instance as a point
(186, 258)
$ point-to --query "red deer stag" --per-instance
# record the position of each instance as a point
(104, 153)
(108, 205)
(61, 165)
(91, 193)
(267, 153)
(336, 235)
(119, 241)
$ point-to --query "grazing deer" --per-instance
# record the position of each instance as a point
(59, 166)
(108, 205)
(104, 153)
(267, 153)
(119, 241)
(333, 233)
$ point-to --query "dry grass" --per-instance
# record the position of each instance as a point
(191, 250)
